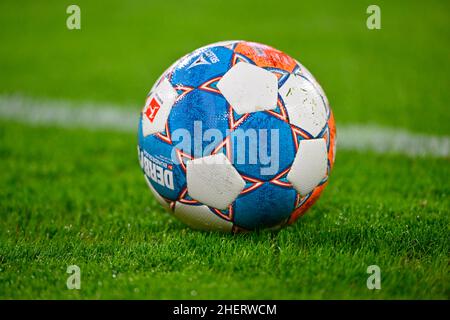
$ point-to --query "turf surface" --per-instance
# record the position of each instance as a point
(78, 197)
(61, 205)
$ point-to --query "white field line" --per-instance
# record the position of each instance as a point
(94, 116)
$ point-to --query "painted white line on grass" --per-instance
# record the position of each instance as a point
(390, 140)
(67, 114)
(100, 116)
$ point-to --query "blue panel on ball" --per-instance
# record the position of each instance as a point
(199, 122)
(163, 171)
(264, 207)
(262, 146)
(201, 66)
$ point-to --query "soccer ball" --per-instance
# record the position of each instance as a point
(236, 136)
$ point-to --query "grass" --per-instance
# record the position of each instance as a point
(61, 206)
(392, 76)
(78, 197)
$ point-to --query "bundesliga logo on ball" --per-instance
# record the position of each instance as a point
(236, 136)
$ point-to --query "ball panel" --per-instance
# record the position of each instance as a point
(193, 116)
(157, 196)
(309, 166)
(249, 88)
(332, 142)
(307, 204)
(200, 66)
(262, 146)
(157, 108)
(264, 207)
(304, 105)
(155, 157)
(266, 56)
(201, 218)
(305, 72)
(214, 181)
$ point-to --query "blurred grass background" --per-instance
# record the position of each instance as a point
(396, 76)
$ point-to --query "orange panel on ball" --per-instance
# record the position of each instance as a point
(265, 56)
(312, 199)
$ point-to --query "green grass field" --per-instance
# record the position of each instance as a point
(77, 196)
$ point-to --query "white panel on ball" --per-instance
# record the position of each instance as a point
(156, 194)
(213, 181)
(309, 166)
(317, 85)
(249, 88)
(157, 108)
(304, 104)
(201, 218)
